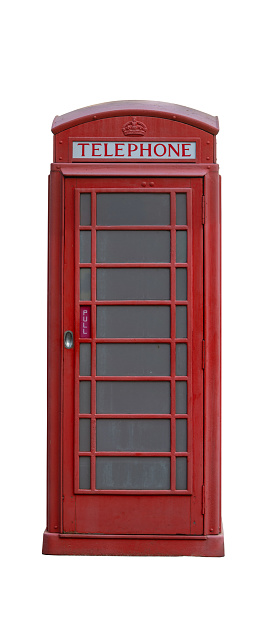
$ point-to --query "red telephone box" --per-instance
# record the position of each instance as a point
(134, 333)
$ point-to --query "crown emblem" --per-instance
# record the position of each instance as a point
(134, 128)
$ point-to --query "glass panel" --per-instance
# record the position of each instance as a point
(84, 472)
(85, 283)
(181, 435)
(181, 250)
(181, 396)
(181, 209)
(133, 397)
(133, 209)
(85, 209)
(85, 246)
(181, 321)
(181, 472)
(133, 284)
(133, 246)
(181, 283)
(133, 321)
(130, 435)
(133, 359)
(84, 435)
(85, 359)
(181, 359)
(85, 397)
(132, 473)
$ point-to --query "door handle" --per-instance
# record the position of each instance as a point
(68, 339)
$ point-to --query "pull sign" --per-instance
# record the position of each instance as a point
(85, 322)
(164, 151)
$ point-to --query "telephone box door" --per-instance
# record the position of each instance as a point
(132, 433)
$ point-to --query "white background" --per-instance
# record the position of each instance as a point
(218, 58)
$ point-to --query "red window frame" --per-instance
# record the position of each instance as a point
(173, 341)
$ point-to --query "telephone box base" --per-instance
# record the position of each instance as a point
(133, 545)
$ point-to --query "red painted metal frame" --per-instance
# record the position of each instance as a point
(210, 543)
(55, 351)
(173, 342)
(125, 170)
(212, 371)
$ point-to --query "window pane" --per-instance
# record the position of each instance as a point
(133, 397)
(133, 284)
(181, 472)
(181, 321)
(132, 473)
(85, 359)
(181, 250)
(181, 396)
(133, 321)
(84, 435)
(181, 359)
(133, 246)
(181, 435)
(84, 472)
(133, 359)
(85, 209)
(85, 246)
(85, 397)
(133, 208)
(130, 435)
(85, 283)
(181, 283)
(181, 208)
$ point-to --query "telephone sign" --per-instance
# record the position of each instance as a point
(134, 333)
(139, 150)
